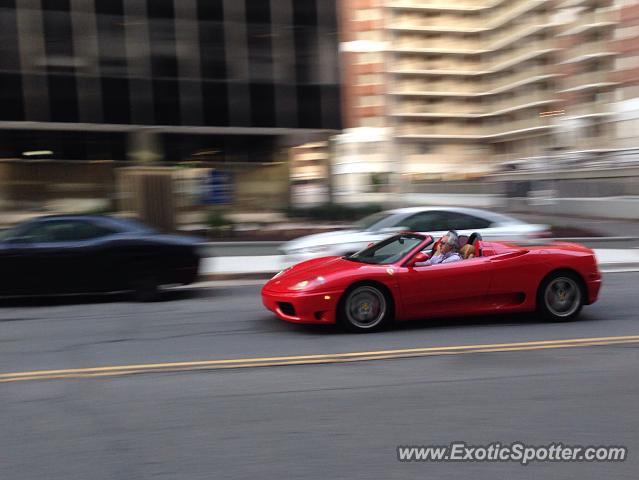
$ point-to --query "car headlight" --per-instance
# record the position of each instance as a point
(308, 283)
(280, 273)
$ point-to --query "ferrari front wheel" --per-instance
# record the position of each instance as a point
(365, 308)
(560, 297)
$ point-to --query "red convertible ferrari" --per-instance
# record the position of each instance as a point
(370, 289)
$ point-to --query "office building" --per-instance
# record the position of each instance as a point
(215, 80)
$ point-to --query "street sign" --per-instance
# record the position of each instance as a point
(218, 189)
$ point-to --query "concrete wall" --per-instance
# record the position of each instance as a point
(59, 185)
(38, 183)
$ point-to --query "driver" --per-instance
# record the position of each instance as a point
(447, 252)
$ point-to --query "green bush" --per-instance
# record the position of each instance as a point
(217, 220)
(334, 212)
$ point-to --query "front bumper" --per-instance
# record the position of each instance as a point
(594, 286)
(306, 307)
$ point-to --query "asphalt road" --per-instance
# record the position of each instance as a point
(341, 420)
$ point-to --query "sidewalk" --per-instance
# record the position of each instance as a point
(265, 265)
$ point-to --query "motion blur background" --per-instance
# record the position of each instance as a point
(210, 113)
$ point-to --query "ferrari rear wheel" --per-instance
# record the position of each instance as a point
(560, 297)
(365, 308)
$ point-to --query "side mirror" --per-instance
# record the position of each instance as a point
(420, 257)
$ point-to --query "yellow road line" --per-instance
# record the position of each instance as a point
(312, 359)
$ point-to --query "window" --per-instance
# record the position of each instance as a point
(62, 5)
(462, 221)
(58, 36)
(115, 100)
(11, 97)
(9, 58)
(305, 13)
(160, 8)
(212, 49)
(63, 99)
(309, 112)
(262, 104)
(163, 47)
(109, 7)
(431, 221)
(166, 101)
(62, 231)
(373, 222)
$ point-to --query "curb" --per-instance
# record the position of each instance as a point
(603, 268)
(235, 276)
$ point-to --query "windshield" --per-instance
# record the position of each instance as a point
(370, 222)
(388, 251)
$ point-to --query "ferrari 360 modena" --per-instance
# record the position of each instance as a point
(388, 282)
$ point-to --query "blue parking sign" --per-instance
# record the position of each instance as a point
(219, 188)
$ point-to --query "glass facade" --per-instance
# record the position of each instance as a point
(118, 64)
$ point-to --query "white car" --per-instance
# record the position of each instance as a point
(433, 220)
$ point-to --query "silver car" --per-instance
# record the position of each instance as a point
(433, 220)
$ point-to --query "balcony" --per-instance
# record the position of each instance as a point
(592, 19)
(600, 142)
(448, 43)
(428, 88)
(514, 9)
(527, 50)
(422, 65)
(513, 35)
(475, 130)
(441, 109)
(599, 48)
(523, 126)
(474, 109)
(441, 130)
(453, 23)
(311, 156)
(442, 5)
(474, 87)
(521, 101)
(587, 80)
(518, 77)
(586, 109)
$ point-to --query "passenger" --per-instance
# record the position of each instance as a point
(467, 251)
(447, 253)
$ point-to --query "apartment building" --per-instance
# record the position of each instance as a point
(308, 174)
(589, 82)
(626, 43)
(458, 85)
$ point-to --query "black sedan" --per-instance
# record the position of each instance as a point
(90, 253)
